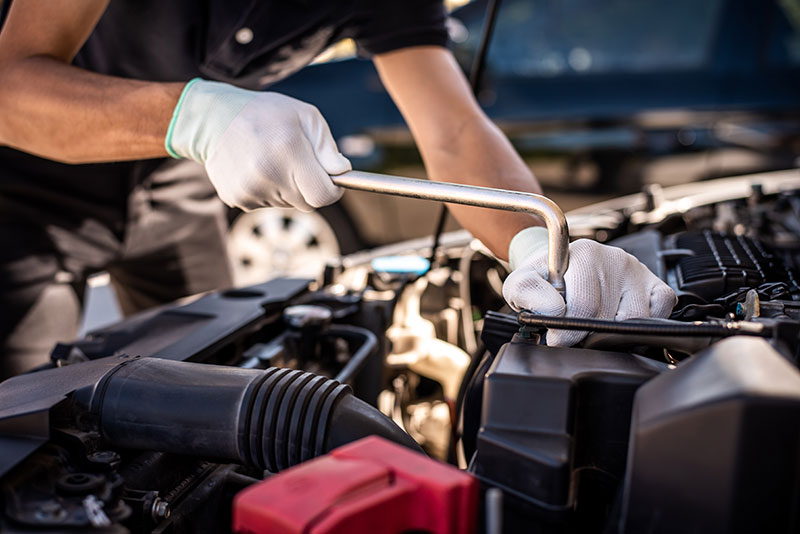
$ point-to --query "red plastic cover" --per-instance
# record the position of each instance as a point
(370, 486)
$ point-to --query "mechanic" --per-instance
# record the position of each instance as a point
(95, 95)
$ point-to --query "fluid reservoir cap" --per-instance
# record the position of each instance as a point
(307, 316)
(401, 265)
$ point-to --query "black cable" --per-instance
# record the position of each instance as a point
(479, 64)
(360, 356)
(475, 76)
(438, 233)
(474, 363)
(527, 318)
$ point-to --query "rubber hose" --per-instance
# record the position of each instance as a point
(369, 343)
(271, 419)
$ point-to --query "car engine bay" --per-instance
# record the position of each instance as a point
(171, 420)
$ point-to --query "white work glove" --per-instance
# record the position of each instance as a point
(259, 148)
(602, 282)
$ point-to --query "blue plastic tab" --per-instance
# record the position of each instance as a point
(401, 265)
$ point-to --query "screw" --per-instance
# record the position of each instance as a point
(160, 509)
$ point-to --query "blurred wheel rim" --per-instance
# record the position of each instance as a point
(272, 242)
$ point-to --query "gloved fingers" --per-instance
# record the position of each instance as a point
(634, 303)
(564, 338)
(312, 182)
(651, 300)
(292, 198)
(584, 300)
(585, 282)
(662, 300)
(231, 187)
(332, 161)
(526, 289)
(327, 153)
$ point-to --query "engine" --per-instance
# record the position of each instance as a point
(250, 407)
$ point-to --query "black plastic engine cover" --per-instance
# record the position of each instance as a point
(555, 423)
(715, 445)
(721, 263)
(704, 266)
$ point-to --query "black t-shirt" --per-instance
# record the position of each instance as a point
(249, 43)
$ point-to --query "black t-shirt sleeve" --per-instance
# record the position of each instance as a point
(394, 24)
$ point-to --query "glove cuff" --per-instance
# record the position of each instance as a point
(203, 113)
(526, 243)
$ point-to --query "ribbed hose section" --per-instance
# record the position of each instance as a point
(288, 418)
(270, 419)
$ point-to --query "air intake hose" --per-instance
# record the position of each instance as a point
(271, 419)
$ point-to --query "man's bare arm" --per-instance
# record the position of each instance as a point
(457, 141)
(57, 111)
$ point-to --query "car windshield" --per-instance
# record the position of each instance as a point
(556, 37)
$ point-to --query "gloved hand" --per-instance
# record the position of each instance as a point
(602, 282)
(259, 148)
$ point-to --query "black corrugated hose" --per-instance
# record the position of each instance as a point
(645, 328)
(271, 419)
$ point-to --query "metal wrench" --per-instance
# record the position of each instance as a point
(484, 197)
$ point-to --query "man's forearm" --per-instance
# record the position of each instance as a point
(60, 112)
(457, 141)
(481, 155)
